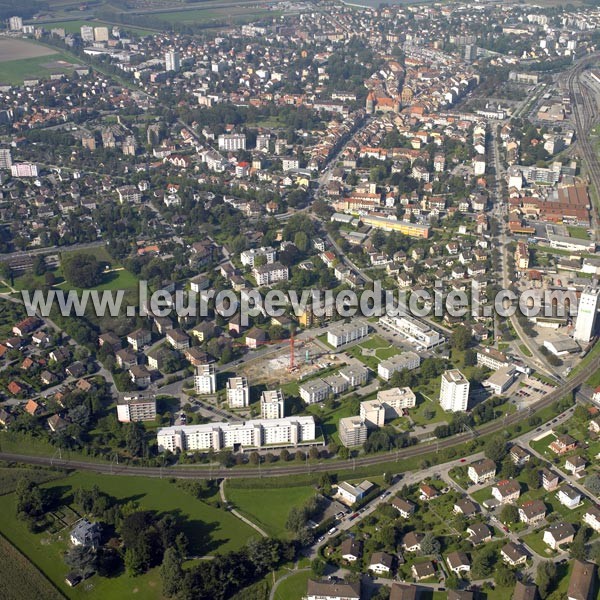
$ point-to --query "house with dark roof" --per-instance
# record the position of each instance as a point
(403, 591)
(351, 549)
(422, 570)
(411, 542)
(327, 590)
(458, 562)
(405, 507)
(558, 533)
(524, 591)
(381, 563)
(465, 507)
(479, 533)
(85, 534)
(513, 554)
(532, 512)
(583, 583)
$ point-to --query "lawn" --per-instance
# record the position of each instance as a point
(269, 508)
(214, 13)
(209, 529)
(294, 587)
(578, 232)
(16, 71)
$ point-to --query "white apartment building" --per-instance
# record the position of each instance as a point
(406, 360)
(344, 333)
(454, 391)
(396, 400)
(5, 158)
(414, 331)
(101, 34)
(492, 359)
(172, 61)
(238, 392)
(355, 376)
(247, 257)
(272, 405)
(268, 274)
(313, 391)
(232, 142)
(141, 407)
(205, 380)
(87, 33)
(15, 23)
(352, 431)
(24, 170)
(372, 412)
(587, 311)
(258, 433)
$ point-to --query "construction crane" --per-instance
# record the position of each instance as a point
(292, 342)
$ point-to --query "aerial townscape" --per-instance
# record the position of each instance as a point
(299, 300)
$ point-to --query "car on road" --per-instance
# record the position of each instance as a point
(462, 460)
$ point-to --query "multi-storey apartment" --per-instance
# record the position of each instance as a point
(238, 392)
(272, 405)
(141, 407)
(454, 391)
(205, 380)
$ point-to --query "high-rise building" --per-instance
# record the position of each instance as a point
(15, 23)
(352, 431)
(5, 158)
(454, 391)
(87, 33)
(205, 380)
(139, 407)
(172, 61)
(101, 34)
(232, 142)
(470, 52)
(272, 405)
(587, 311)
(238, 392)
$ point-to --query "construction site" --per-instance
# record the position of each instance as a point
(296, 361)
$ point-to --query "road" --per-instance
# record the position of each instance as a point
(329, 466)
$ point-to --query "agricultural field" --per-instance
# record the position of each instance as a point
(215, 13)
(209, 530)
(20, 579)
(20, 59)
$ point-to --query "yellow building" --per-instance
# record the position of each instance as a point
(405, 227)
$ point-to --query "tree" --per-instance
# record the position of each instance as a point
(452, 582)
(31, 499)
(504, 577)
(483, 562)
(509, 514)
(171, 572)
(592, 483)
(545, 578)
(82, 270)
(284, 455)
(317, 567)
(461, 338)
(532, 478)
(577, 548)
(430, 544)
(81, 558)
(313, 453)
(495, 449)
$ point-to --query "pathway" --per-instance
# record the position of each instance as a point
(276, 584)
(236, 513)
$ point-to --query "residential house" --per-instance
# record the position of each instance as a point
(582, 584)
(557, 534)
(85, 534)
(550, 480)
(479, 533)
(482, 470)
(507, 491)
(525, 591)
(351, 550)
(140, 375)
(591, 517)
(569, 497)
(403, 591)
(466, 507)
(255, 337)
(513, 554)
(126, 358)
(519, 456)
(411, 542)
(563, 444)
(178, 339)
(404, 507)
(427, 492)
(381, 563)
(422, 570)
(458, 562)
(575, 465)
(32, 408)
(57, 423)
(139, 338)
(532, 512)
(109, 340)
(76, 369)
(328, 590)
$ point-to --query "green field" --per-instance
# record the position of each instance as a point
(214, 13)
(269, 508)
(294, 587)
(209, 530)
(15, 71)
(578, 232)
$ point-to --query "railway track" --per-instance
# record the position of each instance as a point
(326, 466)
